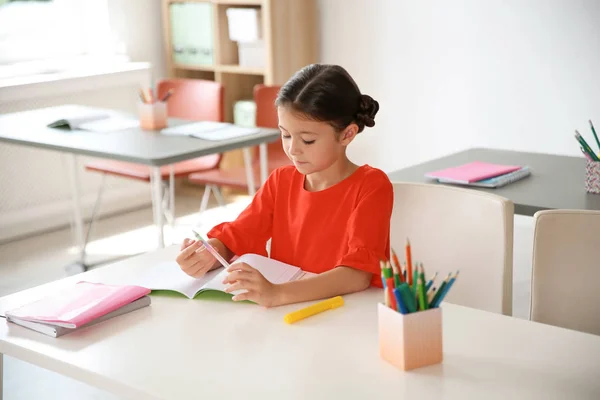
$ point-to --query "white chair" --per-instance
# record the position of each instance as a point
(566, 269)
(453, 228)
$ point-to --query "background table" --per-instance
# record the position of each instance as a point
(29, 128)
(556, 182)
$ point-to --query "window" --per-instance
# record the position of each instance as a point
(44, 32)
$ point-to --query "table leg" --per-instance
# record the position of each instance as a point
(264, 167)
(172, 196)
(79, 265)
(249, 171)
(1, 373)
(156, 187)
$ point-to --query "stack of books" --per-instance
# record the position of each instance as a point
(481, 174)
(80, 305)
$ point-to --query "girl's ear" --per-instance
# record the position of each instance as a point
(348, 134)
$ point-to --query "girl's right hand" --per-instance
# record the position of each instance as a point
(194, 259)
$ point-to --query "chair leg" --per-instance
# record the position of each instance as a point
(205, 198)
(218, 195)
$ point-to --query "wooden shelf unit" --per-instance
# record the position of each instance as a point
(288, 29)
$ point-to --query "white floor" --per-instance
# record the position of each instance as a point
(36, 260)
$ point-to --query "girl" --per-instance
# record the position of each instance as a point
(323, 214)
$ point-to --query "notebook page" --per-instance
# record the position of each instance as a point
(274, 271)
(169, 276)
(230, 132)
(195, 128)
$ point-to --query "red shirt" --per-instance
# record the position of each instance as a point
(347, 224)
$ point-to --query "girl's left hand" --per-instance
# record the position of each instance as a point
(259, 290)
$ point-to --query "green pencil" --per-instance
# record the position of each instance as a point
(440, 291)
(421, 290)
(586, 146)
(408, 298)
(595, 136)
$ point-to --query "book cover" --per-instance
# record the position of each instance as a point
(57, 331)
(472, 172)
(78, 304)
(497, 181)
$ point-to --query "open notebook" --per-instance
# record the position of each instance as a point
(96, 122)
(209, 130)
(168, 276)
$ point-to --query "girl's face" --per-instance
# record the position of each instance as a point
(312, 146)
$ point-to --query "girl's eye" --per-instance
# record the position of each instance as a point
(283, 136)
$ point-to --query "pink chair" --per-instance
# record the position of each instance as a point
(192, 99)
(266, 117)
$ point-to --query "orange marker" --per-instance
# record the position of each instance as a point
(409, 273)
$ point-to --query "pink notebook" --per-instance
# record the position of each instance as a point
(78, 304)
(472, 172)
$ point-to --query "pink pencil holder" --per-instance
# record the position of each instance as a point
(410, 341)
(153, 116)
(592, 177)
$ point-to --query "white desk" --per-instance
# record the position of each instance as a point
(179, 349)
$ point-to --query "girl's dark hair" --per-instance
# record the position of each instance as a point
(328, 93)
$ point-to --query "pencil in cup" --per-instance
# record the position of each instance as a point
(586, 147)
(595, 136)
(409, 267)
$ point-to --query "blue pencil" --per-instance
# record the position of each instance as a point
(446, 289)
(430, 282)
(401, 306)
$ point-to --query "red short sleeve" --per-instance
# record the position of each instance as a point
(252, 229)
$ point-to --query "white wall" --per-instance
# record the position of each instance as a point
(513, 74)
(138, 24)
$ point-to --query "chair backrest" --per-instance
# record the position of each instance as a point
(266, 113)
(194, 99)
(566, 269)
(458, 229)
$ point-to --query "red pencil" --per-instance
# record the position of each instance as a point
(398, 266)
(409, 273)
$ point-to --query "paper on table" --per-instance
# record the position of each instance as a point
(208, 130)
(110, 124)
(194, 128)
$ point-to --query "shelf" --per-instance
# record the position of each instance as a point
(229, 69)
(239, 2)
(237, 69)
(210, 68)
(224, 2)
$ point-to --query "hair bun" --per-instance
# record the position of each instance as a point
(367, 109)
